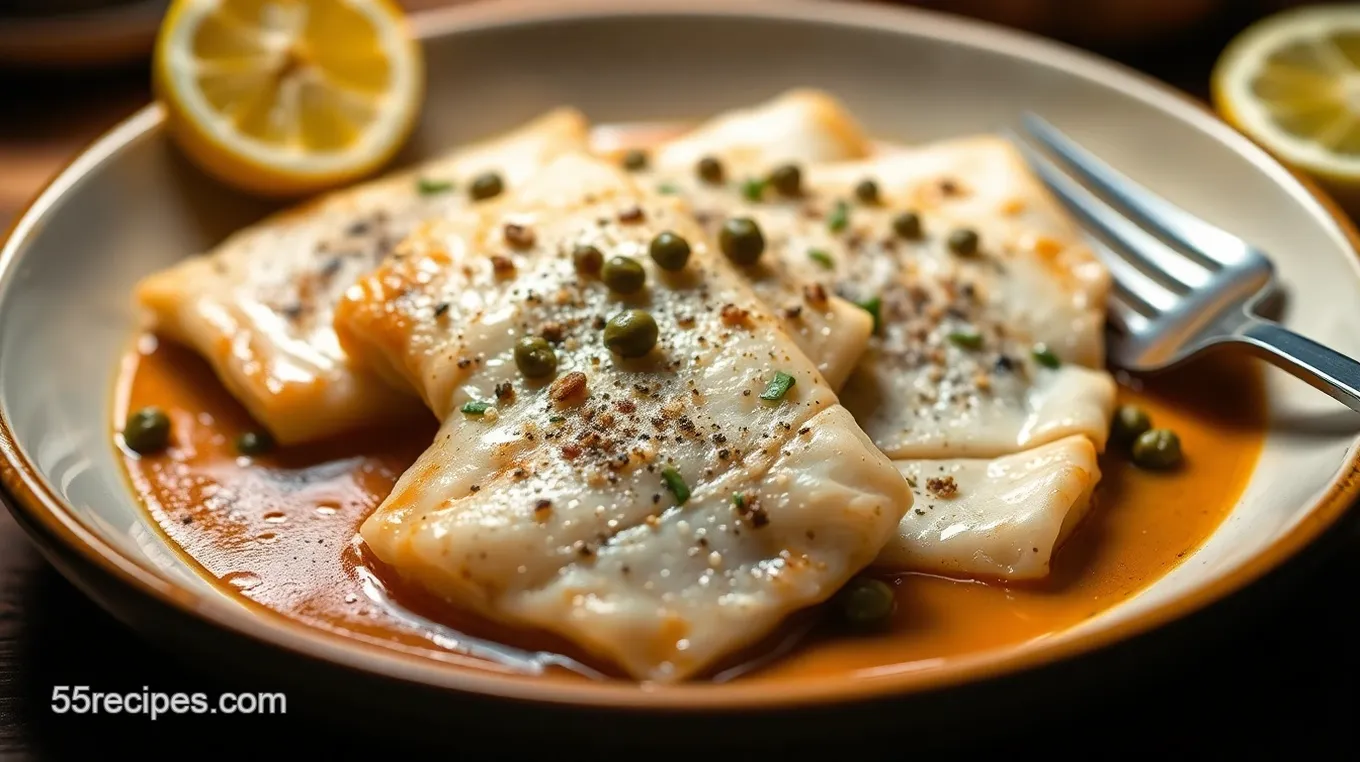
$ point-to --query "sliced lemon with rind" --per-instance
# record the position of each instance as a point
(288, 97)
(1291, 82)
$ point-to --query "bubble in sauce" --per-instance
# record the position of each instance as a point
(242, 580)
(275, 517)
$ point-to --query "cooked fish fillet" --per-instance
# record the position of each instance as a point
(999, 518)
(259, 307)
(563, 505)
(951, 371)
(802, 127)
(1053, 287)
(799, 126)
(1029, 432)
(959, 367)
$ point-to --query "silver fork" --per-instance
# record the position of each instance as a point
(1181, 285)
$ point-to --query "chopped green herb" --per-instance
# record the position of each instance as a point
(738, 500)
(1045, 357)
(753, 189)
(839, 217)
(476, 407)
(556, 418)
(778, 387)
(967, 339)
(668, 189)
(822, 258)
(676, 484)
(873, 306)
(428, 187)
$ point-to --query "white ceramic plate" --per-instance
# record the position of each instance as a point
(131, 205)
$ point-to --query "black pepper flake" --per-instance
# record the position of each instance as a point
(441, 309)
(632, 214)
(331, 267)
(567, 387)
(553, 331)
(519, 236)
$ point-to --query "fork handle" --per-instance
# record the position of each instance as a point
(1323, 368)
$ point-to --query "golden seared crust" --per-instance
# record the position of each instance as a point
(260, 306)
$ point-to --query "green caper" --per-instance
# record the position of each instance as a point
(147, 430)
(254, 443)
(623, 275)
(632, 333)
(867, 191)
(1130, 421)
(535, 357)
(866, 602)
(741, 240)
(907, 225)
(710, 170)
(1157, 449)
(669, 251)
(787, 180)
(587, 259)
(635, 160)
(486, 185)
(964, 242)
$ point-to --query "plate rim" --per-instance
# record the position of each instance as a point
(27, 491)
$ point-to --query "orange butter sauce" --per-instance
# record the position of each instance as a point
(280, 529)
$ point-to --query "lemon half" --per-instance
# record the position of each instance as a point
(1291, 82)
(288, 97)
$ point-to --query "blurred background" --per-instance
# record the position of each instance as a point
(71, 68)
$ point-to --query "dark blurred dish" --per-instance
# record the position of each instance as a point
(1107, 24)
(77, 33)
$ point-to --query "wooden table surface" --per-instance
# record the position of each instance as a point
(1280, 679)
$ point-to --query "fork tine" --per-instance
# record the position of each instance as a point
(1141, 293)
(1124, 317)
(1170, 221)
(1136, 244)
